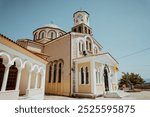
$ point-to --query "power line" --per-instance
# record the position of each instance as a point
(137, 52)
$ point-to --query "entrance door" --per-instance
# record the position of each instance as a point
(106, 80)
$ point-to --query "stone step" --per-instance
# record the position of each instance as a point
(118, 94)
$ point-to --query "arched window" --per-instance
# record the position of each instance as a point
(82, 76)
(88, 44)
(85, 29)
(87, 75)
(89, 31)
(60, 34)
(50, 73)
(81, 46)
(12, 78)
(59, 72)
(35, 36)
(2, 71)
(52, 35)
(42, 34)
(55, 70)
(75, 30)
(80, 30)
(95, 50)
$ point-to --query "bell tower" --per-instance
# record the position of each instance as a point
(81, 22)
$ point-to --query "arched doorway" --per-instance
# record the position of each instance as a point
(12, 77)
(106, 79)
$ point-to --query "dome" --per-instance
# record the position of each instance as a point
(51, 26)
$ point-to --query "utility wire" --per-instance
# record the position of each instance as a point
(137, 52)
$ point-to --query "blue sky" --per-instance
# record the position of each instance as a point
(122, 27)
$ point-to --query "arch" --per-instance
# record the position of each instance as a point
(52, 34)
(60, 34)
(81, 45)
(106, 82)
(6, 57)
(80, 29)
(60, 69)
(50, 73)
(85, 29)
(28, 64)
(41, 70)
(2, 72)
(88, 44)
(17, 61)
(42, 34)
(82, 75)
(95, 50)
(35, 36)
(12, 77)
(54, 72)
(35, 68)
(24, 78)
(87, 75)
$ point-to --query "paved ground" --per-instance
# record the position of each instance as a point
(143, 95)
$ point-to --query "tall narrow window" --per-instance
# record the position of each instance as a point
(43, 35)
(79, 46)
(82, 47)
(59, 73)
(87, 75)
(80, 30)
(87, 45)
(35, 36)
(85, 30)
(2, 71)
(55, 69)
(52, 35)
(89, 31)
(95, 50)
(82, 76)
(12, 78)
(50, 73)
(75, 30)
(90, 46)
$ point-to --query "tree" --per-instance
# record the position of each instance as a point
(130, 80)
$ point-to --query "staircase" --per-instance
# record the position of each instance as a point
(118, 94)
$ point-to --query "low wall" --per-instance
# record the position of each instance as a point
(9, 95)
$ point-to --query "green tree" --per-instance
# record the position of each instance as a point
(130, 80)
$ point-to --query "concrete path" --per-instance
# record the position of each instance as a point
(143, 95)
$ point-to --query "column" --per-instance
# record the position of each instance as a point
(116, 80)
(101, 74)
(76, 77)
(5, 77)
(18, 78)
(29, 80)
(93, 78)
(36, 80)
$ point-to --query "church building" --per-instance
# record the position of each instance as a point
(76, 64)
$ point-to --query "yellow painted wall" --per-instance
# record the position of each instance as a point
(84, 88)
(59, 49)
